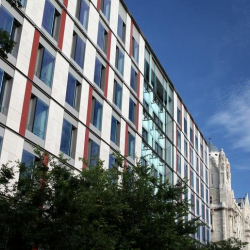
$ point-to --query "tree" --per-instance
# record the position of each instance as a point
(6, 43)
(229, 244)
(93, 209)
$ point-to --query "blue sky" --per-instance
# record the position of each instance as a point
(204, 46)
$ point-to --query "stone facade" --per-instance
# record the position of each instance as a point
(230, 217)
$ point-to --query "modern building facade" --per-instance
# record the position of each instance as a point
(83, 81)
(230, 217)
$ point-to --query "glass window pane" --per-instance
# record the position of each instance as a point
(71, 91)
(111, 161)
(83, 13)
(120, 26)
(66, 137)
(101, 38)
(118, 95)
(106, 8)
(28, 159)
(98, 72)
(48, 17)
(113, 135)
(135, 50)
(40, 119)
(94, 152)
(47, 68)
(120, 61)
(133, 79)
(131, 149)
(79, 51)
(97, 119)
(131, 111)
(6, 20)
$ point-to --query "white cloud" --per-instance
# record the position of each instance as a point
(243, 168)
(233, 116)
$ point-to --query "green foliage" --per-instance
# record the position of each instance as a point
(229, 244)
(95, 209)
(6, 44)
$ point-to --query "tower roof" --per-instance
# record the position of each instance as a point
(212, 148)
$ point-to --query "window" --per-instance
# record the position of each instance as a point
(29, 160)
(23, 3)
(115, 131)
(206, 176)
(37, 119)
(117, 96)
(185, 149)
(102, 38)
(82, 13)
(135, 50)
(179, 139)
(133, 79)
(185, 170)
(131, 145)
(207, 216)
(1, 141)
(179, 163)
(78, 50)
(196, 143)
(68, 139)
(111, 161)
(185, 125)
(158, 149)
(202, 171)
(202, 190)
(203, 212)
(197, 185)
(178, 115)
(45, 66)
(157, 121)
(198, 233)
(121, 29)
(73, 92)
(145, 134)
(191, 156)
(132, 110)
(11, 26)
(201, 150)
(96, 114)
(192, 202)
(197, 164)
(206, 195)
(5, 91)
(51, 19)
(94, 152)
(105, 8)
(191, 135)
(99, 76)
(203, 234)
(197, 207)
(208, 239)
(119, 61)
(192, 178)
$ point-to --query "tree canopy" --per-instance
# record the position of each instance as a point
(115, 209)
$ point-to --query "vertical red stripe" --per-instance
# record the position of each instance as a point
(65, 2)
(131, 38)
(85, 153)
(98, 5)
(106, 82)
(62, 28)
(34, 54)
(28, 89)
